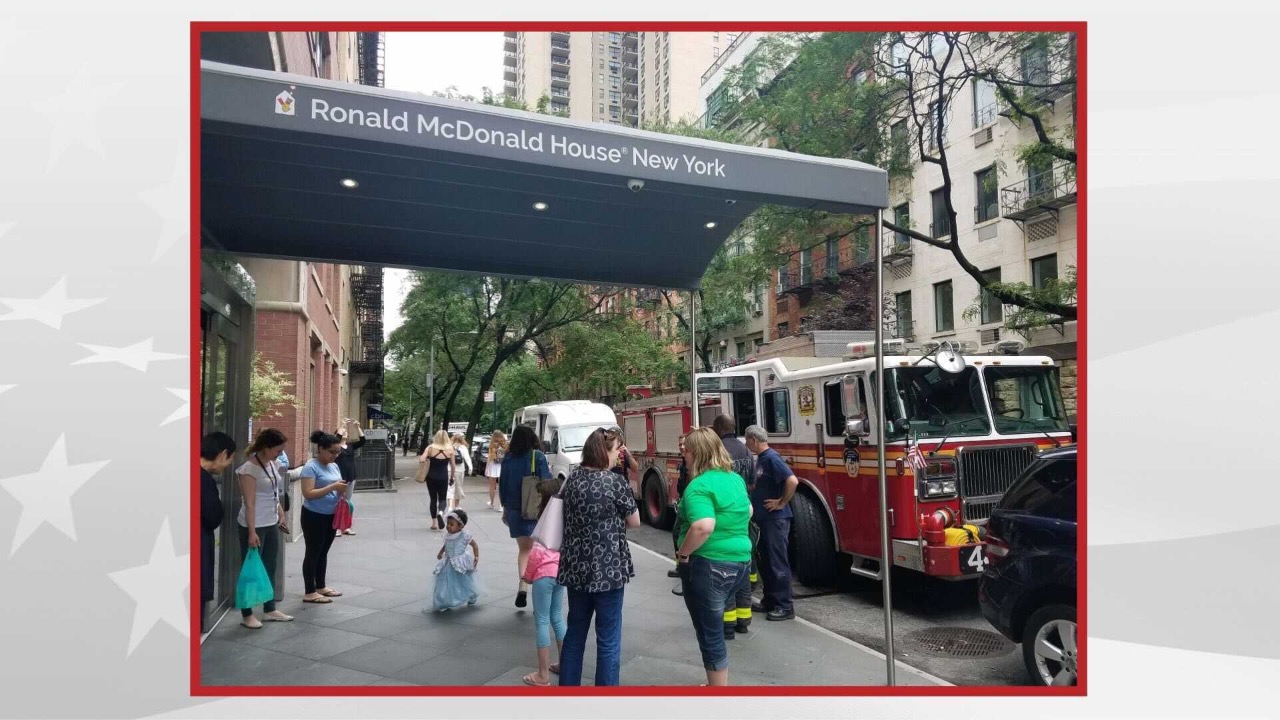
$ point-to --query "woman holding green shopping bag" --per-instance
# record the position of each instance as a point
(261, 518)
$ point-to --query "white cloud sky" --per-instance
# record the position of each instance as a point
(427, 62)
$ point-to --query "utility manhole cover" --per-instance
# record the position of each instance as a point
(957, 642)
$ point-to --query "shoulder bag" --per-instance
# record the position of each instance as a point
(549, 532)
(530, 498)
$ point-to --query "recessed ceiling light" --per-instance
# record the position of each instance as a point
(710, 225)
(349, 183)
(539, 206)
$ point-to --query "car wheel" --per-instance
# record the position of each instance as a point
(1049, 646)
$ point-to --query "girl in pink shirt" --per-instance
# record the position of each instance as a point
(548, 601)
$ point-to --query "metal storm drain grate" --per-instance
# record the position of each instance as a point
(957, 642)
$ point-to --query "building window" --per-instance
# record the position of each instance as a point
(901, 218)
(992, 309)
(1044, 269)
(1035, 65)
(987, 193)
(899, 145)
(931, 129)
(941, 226)
(833, 257)
(902, 314)
(943, 315)
(984, 103)
(742, 350)
(806, 266)
(784, 330)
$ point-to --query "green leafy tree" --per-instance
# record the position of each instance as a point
(269, 389)
(885, 99)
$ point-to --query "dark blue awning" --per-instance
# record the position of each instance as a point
(297, 167)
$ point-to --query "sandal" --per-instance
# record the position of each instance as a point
(277, 616)
(532, 679)
(322, 600)
(554, 668)
(330, 594)
(245, 623)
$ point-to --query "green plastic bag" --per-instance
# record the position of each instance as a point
(254, 586)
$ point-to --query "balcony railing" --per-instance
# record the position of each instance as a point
(559, 46)
(1044, 191)
(898, 249)
(985, 115)
(559, 93)
(559, 60)
(559, 77)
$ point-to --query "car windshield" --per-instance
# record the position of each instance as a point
(574, 437)
(936, 403)
(1025, 399)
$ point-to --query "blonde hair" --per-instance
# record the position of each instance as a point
(459, 439)
(706, 452)
(499, 438)
(440, 441)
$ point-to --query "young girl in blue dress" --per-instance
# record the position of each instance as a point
(456, 565)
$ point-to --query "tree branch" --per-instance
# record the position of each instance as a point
(941, 244)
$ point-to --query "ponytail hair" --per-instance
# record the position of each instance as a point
(267, 438)
(324, 439)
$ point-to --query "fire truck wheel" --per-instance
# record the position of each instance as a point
(654, 508)
(813, 552)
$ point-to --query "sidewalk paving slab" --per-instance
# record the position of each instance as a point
(377, 634)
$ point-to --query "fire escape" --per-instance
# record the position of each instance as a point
(366, 361)
(371, 53)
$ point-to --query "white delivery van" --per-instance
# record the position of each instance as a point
(562, 427)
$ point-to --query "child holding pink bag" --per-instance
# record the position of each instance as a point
(548, 600)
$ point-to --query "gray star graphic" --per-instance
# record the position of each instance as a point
(73, 114)
(49, 308)
(158, 588)
(172, 202)
(185, 411)
(138, 356)
(45, 495)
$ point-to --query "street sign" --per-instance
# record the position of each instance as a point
(488, 396)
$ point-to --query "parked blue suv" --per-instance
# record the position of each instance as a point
(1028, 592)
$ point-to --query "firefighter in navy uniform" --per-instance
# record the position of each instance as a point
(737, 612)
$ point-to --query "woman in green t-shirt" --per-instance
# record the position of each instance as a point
(714, 549)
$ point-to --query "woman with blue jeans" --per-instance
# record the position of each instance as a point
(715, 550)
(595, 560)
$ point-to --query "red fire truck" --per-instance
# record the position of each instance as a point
(653, 427)
(959, 428)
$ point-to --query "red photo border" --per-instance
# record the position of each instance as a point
(1077, 27)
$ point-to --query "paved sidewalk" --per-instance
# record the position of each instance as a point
(376, 633)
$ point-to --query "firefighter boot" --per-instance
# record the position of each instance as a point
(743, 617)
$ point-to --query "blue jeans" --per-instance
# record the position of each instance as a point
(548, 610)
(709, 586)
(607, 608)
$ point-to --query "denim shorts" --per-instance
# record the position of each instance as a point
(709, 586)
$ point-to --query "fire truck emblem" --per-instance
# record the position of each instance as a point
(851, 462)
(808, 401)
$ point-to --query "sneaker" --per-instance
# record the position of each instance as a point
(678, 590)
(780, 614)
(673, 573)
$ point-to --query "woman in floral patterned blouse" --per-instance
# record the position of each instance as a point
(595, 560)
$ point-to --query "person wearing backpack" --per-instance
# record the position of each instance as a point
(523, 459)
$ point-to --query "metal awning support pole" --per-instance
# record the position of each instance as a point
(886, 560)
(693, 358)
